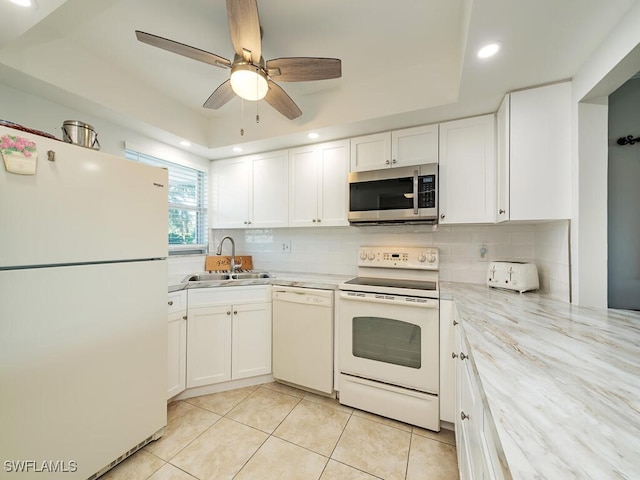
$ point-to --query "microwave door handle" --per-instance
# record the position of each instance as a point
(415, 192)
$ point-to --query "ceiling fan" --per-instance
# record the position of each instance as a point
(251, 77)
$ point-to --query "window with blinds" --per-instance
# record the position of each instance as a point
(187, 203)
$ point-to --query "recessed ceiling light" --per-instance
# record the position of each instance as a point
(237, 149)
(489, 50)
(25, 3)
(184, 143)
(313, 135)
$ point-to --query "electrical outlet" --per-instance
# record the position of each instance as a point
(484, 254)
(286, 246)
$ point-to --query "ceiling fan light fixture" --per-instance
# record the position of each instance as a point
(248, 81)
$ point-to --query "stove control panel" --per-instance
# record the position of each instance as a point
(419, 258)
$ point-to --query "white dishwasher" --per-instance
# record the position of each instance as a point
(303, 337)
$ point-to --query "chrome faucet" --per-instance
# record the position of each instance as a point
(233, 266)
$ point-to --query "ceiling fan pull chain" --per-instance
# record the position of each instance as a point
(257, 104)
(241, 117)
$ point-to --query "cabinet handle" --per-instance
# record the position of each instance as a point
(228, 313)
(501, 211)
(235, 312)
(319, 220)
(170, 302)
(453, 355)
(442, 216)
(463, 356)
(249, 222)
(386, 162)
(464, 416)
(184, 318)
(314, 220)
(455, 323)
(393, 161)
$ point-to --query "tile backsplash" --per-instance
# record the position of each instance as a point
(334, 250)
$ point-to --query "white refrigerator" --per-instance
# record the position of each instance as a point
(83, 312)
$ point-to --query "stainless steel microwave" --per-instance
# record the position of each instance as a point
(399, 194)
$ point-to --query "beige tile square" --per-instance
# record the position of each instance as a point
(221, 403)
(169, 472)
(185, 423)
(327, 402)
(221, 451)
(444, 435)
(264, 409)
(432, 459)
(282, 388)
(139, 465)
(339, 471)
(383, 420)
(374, 448)
(313, 426)
(278, 460)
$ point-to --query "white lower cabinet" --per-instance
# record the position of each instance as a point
(177, 343)
(228, 334)
(447, 363)
(476, 447)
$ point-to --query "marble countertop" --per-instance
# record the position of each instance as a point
(288, 279)
(562, 382)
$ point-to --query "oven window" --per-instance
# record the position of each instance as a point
(387, 340)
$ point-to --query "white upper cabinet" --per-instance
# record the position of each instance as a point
(534, 154)
(467, 169)
(318, 184)
(250, 192)
(400, 148)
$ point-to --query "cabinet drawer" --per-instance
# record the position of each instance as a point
(177, 301)
(229, 295)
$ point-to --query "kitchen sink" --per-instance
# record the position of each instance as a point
(249, 275)
(213, 277)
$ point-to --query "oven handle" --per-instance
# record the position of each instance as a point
(428, 302)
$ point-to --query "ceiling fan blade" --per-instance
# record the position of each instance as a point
(302, 69)
(182, 49)
(244, 26)
(278, 99)
(220, 96)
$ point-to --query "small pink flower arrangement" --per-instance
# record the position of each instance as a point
(10, 144)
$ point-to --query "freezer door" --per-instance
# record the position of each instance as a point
(83, 362)
(85, 206)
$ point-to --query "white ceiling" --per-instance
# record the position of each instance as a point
(404, 62)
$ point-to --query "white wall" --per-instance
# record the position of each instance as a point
(35, 112)
(615, 61)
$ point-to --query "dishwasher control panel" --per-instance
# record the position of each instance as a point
(419, 258)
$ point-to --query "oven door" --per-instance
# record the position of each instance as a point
(390, 338)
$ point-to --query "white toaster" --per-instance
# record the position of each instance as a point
(518, 276)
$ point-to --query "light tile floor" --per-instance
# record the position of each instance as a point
(274, 431)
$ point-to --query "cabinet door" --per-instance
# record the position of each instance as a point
(270, 190)
(467, 171)
(177, 354)
(540, 153)
(371, 152)
(177, 344)
(414, 146)
(209, 341)
(303, 186)
(251, 340)
(230, 193)
(502, 159)
(333, 193)
(447, 363)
